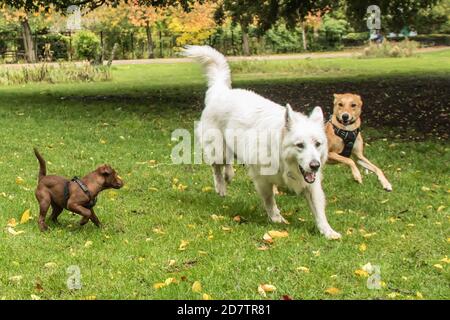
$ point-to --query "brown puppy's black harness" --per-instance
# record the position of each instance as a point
(92, 201)
(349, 138)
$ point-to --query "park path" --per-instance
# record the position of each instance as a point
(300, 56)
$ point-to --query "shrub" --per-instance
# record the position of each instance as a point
(61, 73)
(387, 49)
(87, 45)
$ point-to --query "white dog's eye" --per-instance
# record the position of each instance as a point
(318, 144)
(300, 145)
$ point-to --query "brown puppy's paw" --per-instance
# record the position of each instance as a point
(83, 221)
(43, 227)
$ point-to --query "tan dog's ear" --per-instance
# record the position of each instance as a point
(105, 170)
(336, 96)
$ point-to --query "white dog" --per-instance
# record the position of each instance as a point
(299, 146)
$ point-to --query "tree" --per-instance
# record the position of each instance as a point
(145, 16)
(40, 19)
(193, 26)
(395, 14)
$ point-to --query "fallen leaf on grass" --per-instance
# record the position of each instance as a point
(50, 265)
(183, 245)
(12, 223)
(419, 295)
(278, 234)
(362, 247)
(263, 248)
(88, 244)
(153, 189)
(206, 189)
(25, 216)
(158, 231)
(440, 208)
(19, 180)
(263, 289)
(206, 297)
(333, 291)
(267, 238)
(226, 229)
(35, 297)
(159, 285)
(172, 262)
(169, 281)
(15, 279)
(361, 273)
(303, 269)
(197, 287)
(215, 217)
(445, 260)
(438, 266)
(14, 232)
(369, 235)
(425, 189)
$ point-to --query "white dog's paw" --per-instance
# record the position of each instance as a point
(278, 219)
(330, 234)
(388, 187)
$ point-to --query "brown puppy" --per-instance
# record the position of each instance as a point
(345, 139)
(76, 195)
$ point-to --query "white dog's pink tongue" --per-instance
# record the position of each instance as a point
(310, 177)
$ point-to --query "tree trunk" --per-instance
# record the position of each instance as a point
(150, 44)
(304, 41)
(28, 42)
(245, 41)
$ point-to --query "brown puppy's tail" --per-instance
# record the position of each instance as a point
(42, 166)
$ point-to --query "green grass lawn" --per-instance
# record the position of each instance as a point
(128, 123)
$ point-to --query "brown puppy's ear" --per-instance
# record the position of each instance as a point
(105, 170)
(360, 101)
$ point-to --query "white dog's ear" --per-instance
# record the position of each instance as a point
(288, 119)
(317, 115)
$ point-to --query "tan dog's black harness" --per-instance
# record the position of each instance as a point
(349, 138)
(92, 201)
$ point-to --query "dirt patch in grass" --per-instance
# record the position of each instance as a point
(414, 108)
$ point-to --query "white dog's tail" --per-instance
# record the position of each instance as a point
(217, 69)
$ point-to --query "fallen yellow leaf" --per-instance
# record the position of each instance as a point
(153, 189)
(440, 208)
(35, 297)
(206, 296)
(419, 295)
(12, 223)
(362, 247)
(278, 234)
(15, 279)
(159, 285)
(333, 291)
(19, 180)
(268, 287)
(197, 287)
(25, 216)
(183, 245)
(170, 281)
(50, 265)
(88, 244)
(303, 269)
(438, 266)
(369, 235)
(361, 273)
(14, 232)
(172, 262)
(445, 260)
(206, 189)
(226, 229)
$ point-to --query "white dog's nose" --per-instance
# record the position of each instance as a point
(314, 165)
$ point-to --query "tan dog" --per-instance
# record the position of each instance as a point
(345, 139)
